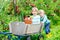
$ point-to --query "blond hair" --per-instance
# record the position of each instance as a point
(35, 8)
(41, 11)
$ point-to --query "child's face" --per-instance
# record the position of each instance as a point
(41, 13)
(34, 11)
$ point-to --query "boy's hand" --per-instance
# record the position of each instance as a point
(41, 23)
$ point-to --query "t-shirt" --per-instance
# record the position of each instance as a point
(44, 19)
(36, 19)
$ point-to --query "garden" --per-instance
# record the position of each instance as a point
(16, 10)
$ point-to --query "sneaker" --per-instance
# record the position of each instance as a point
(49, 35)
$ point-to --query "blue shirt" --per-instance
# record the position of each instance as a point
(44, 19)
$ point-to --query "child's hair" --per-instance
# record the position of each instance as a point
(41, 11)
(35, 8)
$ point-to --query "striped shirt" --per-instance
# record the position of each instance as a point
(44, 19)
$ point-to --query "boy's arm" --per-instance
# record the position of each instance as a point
(44, 20)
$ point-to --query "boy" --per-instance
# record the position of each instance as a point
(44, 20)
(35, 17)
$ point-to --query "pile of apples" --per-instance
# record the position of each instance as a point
(27, 20)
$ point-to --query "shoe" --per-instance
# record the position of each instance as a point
(49, 35)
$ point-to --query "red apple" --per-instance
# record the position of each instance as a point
(33, 5)
(17, 7)
(54, 0)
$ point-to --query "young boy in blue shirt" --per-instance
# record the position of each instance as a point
(44, 20)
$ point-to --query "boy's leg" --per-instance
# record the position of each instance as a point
(47, 28)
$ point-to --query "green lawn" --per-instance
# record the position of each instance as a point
(55, 31)
(7, 15)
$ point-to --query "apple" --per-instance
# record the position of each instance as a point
(33, 5)
(54, 0)
(17, 7)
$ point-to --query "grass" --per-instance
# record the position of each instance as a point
(55, 31)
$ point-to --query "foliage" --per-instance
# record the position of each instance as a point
(23, 8)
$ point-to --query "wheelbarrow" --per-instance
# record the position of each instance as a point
(22, 29)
